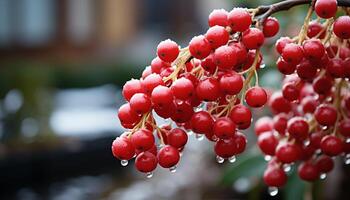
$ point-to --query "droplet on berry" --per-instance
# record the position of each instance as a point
(199, 137)
(347, 159)
(220, 160)
(347, 140)
(149, 174)
(173, 169)
(232, 159)
(273, 191)
(323, 176)
(287, 167)
(306, 142)
(124, 163)
(267, 158)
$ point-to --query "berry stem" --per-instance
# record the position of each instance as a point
(303, 32)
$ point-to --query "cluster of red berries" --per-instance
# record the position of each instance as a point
(311, 124)
(199, 88)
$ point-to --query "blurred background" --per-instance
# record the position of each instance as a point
(62, 66)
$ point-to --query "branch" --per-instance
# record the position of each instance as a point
(267, 10)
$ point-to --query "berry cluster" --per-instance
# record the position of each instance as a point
(200, 88)
(311, 124)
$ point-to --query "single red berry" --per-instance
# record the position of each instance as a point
(281, 43)
(314, 29)
(126, 115)
(225, 57)
(183, 112)
(208, 64)
(231, 83)
(284, 67)
(279, 104)
(165, 110)
(142, 139)
(153, 150)
(267, 143)
(275, 177)
(146, 162)
(313, 49)
(239, 20)
(280, 123)
(326, 8)
(225, 148)
(168, 50)
(199, 47)
(208, 89)
(122, 148)
(315, 139)
(253, 38)
(202, 122)
(150, 82)
(177, 138)
(309, 104)
(168, 156)
(241, 51)
(140, 103)
(326, 115)
(322, 85)
(324, 163)
(162, 96)
(241, 142)
(292, 53)
(146, 72)
(306, 70)
(256, 97)
(131, 87)
(271, 27)
(218, 17)
(182, 88)
(341, 27)
(157, 65)
(335, 68)
(241, 116)
(263, 124)
(331, 145)
(298, 128)
(344, 127)
(308, 171)
(224, 128)
(217, 36)
(288, 152)
(290, 91)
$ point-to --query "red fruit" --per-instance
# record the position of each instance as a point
(275, 177)
(150, 82)
(324, 163)
(239, 20)
(288, 153)
(284, 67)
(208, 89)
(309, 104)
(308, 171)
(306, 70)
(126, 115)
(336, 68)
(241, 141)
(313, 49)
(218, 17)
(292, 53)
(241, 51)
(177, 138)
(122, 148)
(162, 96)
(225, 148)
(140, 103)
(217, 36)
(341, 27)
(326, 115)
(298, 128)
(168, 156)
(166, 110)
(314, 29)
(152, 150)
(315, 139)
(199, 47)
(168, 50)
(267, 142)
(263, 124)
(253, 38)
(131, 87)
(142, 139)
(331, 145)
(322, 85)
(146, 72)
(183, 112)
(279, 104)
(225, 57)
(146, 162)
(344, 127)
(326, 8)
(241, 116)
(157, 65)
(224, 128)
(202, 122)
(182, 88)
(281, 43)
(290, 91)
(256, 97)
(270, 27)
(280, 123)
(231, 83)
(208, 64)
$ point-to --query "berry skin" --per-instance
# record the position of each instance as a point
(183, 112)
(325, 163)
(263, 124)
(168, 156)
(142, 139)
(315, 139)
(322, 85)
(292, 53)
(280, 122)
(199, 47)
(253, 38)
(162, 96)
(241, 141)
(150, 82)
(267, 143)
(146, 72)
(177, 138)
(281, 43)
(239, 20)
(314, 29)
(157, 65)
(341, 27)
(231, 83)
(270, 27)
(279, 104)
(298, 128)
(313, 49)
(225, 57)
(326, 115)
(306, 70)
(284, 67)
(241, 52)
(217, 36)
(168, 50)
(208, 64)
(218, 17)
(256, 97)
(331, 145)
(122, 148)
(225, 148)
(288, 153)
(132, 87)
(126, 115)
(241, 116)
(326, 8)
(140, 103)
(308, 171)
(335, 68)
(208, 89)
(344, 127)
(309, 104)
(274, 176)
(224, 128)
(290, 91)
(202, 122)
(146, 162)
(182, 88)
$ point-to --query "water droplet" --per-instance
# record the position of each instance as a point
(267, 158)
(286, 167)
(149, 174)
(160, 146)
(197, 109)
(189, 132)
(262, 66)
(220, 159)
(324, 128)
(347, 159)
(318, 151)
(323, 176)
(124, 163)
(172, 169)
(273, 191)
(199, 137)
(306, 142)
(347, 140)
(232, 159)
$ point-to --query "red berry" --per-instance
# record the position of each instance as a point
(326, 8)
(324, 163)
(326, 115)
(140, 103)
(290, 91)
(142, 139)
(208, 89)
(132, 87)
(239, 20)
(270, 27)
(182, 88)
(306, 70)
(284, 67)
(314, 29)
(280, 123)
(146, 162)
(225, 57)
(126, 115)
(183, 112)
(122, 148)
(168, 50)
(224, 128)
(150, 82)
(331, 145)
(298, 128)
(292, 53)
(336, 68)
(177, 138)
(313, 49)
(241, 141)
(288, 153)
(256, 97)
(275, 177)
(208, 64)
(202, 122)
(157, 65)
(225, 148)
(267, 142)
(279, 104)
(199, 47)
(168, 156)
(341, 27)
(218, 17)
(281, 43)
(308, 171)
(315, 139)
(344, 127)
(217, 36)
(241, 51)
(162, 96)
(231, 83)
(241, 116)
(263, 124)
(309, 104)
(322, 85)
(253, 38)
(146, 72)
